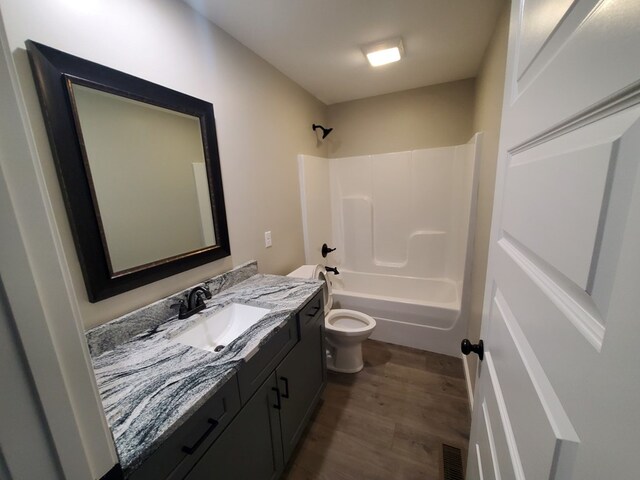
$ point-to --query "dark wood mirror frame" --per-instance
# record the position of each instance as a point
(52, 70)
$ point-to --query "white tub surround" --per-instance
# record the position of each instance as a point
(402, 224)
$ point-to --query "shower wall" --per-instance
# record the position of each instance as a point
(405, 213)
(402, 224)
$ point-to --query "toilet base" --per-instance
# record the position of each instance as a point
(345, 359)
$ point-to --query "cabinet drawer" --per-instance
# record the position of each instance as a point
(253, 373)
(178, 453)
(311, 310)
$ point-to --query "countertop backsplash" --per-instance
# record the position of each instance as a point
(116, 332)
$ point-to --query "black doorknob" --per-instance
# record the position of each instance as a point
(467, 347)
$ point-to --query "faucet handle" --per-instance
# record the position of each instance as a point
(199, 300)
(181, 306)
(207, 290)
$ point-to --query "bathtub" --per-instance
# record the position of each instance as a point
(416, 312)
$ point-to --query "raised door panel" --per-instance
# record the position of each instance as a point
(482, 453)
(250, 448)
(569, 187)
(557, 200)
(537, 419)
(557, 266)
(259, 367)
(520, 428)
(539, 20)
(585, 63)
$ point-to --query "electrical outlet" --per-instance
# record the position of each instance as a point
(267, 239)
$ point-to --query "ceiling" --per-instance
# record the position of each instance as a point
(317, 43)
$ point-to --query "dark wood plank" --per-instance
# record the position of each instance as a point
(388, 421)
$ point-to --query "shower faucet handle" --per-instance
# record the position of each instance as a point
(332, 269)
(326, 250)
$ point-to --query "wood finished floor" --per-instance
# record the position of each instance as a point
(388, 421)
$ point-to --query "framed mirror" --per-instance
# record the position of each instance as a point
(139, 170)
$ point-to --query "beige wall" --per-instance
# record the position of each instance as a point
(263, 121)
(433, 116)
(488, 112)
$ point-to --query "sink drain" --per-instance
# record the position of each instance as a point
(219, 348)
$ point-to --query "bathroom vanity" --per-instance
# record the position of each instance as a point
(181, 412)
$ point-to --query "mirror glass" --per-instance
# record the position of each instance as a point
(148, 177)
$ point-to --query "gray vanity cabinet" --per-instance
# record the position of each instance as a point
(301, 379)
(275, 394)
(262, 437)
(250, 448)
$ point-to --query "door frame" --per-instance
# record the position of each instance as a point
(42, 298)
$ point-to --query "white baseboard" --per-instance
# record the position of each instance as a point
(467, 377)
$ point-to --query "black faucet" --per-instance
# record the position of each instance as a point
(194, 302)
(195, 299)
(332, 269)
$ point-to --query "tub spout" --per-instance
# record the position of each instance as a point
(332, 269)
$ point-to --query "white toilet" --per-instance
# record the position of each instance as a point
(345, 329)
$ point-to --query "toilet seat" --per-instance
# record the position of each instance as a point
(349, 322)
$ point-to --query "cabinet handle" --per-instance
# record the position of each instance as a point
(286, 387)
(278, 405)
(213, 423)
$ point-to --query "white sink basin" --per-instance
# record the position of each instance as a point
(215, 331)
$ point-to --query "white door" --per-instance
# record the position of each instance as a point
(558, 394)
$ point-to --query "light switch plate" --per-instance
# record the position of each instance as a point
(267, 239)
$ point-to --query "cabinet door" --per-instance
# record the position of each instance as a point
(301, 379)
(255, 371)
(250, 448)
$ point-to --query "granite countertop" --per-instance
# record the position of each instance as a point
(150, 386)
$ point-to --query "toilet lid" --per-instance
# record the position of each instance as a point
(326, 290)
(349, 321)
